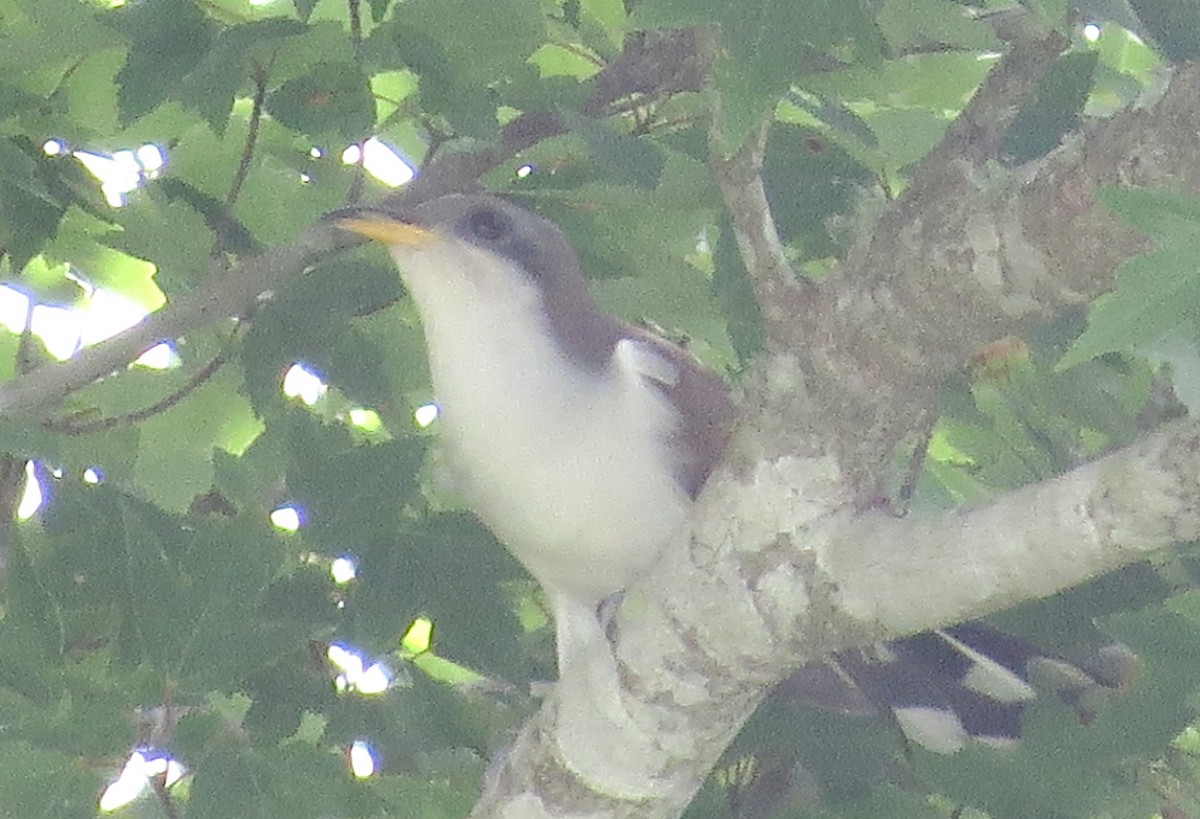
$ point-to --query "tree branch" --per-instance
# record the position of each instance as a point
(777, 288)
(234, 292)
(781, 568)
(75, 426)
(764, 585)
(225, 293)
(910, 574)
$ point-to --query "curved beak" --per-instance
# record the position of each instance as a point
(383, 228)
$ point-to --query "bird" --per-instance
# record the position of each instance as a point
(580, 441)
(583, 442)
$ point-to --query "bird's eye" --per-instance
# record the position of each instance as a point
(487, 224)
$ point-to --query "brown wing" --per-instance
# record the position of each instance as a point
(705, 406)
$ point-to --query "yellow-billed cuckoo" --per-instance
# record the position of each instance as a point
(582, 443)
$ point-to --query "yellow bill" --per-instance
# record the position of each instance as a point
(386, 229)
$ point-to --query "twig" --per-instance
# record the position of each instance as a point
(198, 378)
(159, 784)
(224, 293)
(12, 467)
(232, 292)
(222, 13)
(355, 22)
(256, 113)
(582, 53)
(776, 285)
(916, 467)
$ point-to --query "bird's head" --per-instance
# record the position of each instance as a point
(469, 226)
(478, 253)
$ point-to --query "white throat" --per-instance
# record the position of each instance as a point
(569, 467)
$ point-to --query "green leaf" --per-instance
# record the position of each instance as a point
(333, 99)
(304, 8)
(264, 782)
(631, 161)
(764, 44)
(745, 99)
(809, 180)
(13, 100)
(35, 191)
(450, 568)
(1053, 13)
(509, 28)
(1041, 123)
(620, 230)
(210, 89)
(1174, 25)
(168, 40)
(74, 27)
(82, 242)
(466, 54)
(391, 88)
(311, 323)
(31, 611)
(274, 196)
(448, 792)
(36, 782)
(558, 61)
(170, 235)
(226, 574)
(1142, 207)
(229, 781)
(323, 41)
(188, 597)
(609, 15)
(828, 111)
(396, 334)
(1156, 292)
(351, 492)
(935, 82)
(732, 287)
(24, 435)
(89, 95)
(909, 24)
(681, 300)
(905, 135)
(112, 451)
(230, 234)
(173, 469)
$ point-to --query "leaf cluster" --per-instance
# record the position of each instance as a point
(161, 608)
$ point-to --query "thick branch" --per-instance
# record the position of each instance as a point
(909, 575)
(764, 586)
(974, 252)
(774, 574)
(781, 569)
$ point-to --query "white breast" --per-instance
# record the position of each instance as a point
(569, 468)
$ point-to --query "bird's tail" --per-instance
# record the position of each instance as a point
(969, 682)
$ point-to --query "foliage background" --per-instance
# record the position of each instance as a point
(161, 608)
